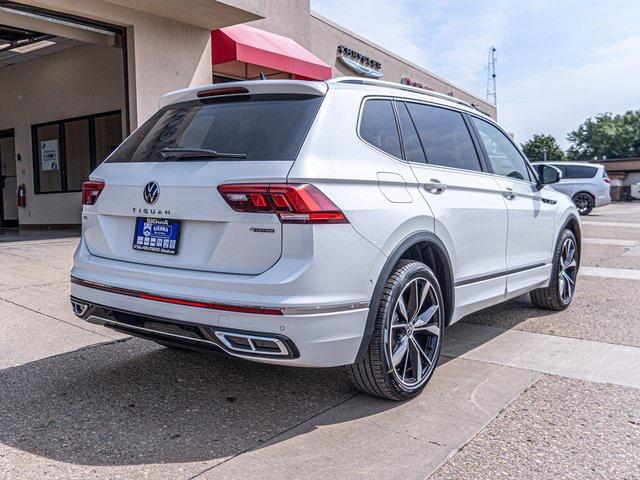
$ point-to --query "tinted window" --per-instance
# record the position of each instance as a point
(412, 148)
(444, 136)
(577, 171)
(378, 126)
(561, 168)
(504, 157)
(264, 127)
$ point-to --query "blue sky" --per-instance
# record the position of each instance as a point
(559, 62)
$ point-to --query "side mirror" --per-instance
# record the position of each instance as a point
(547, 174)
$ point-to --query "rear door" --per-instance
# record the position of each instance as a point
(531, 214)
(266, 130)
(470, 213)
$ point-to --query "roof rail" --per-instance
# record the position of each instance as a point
(408, 88)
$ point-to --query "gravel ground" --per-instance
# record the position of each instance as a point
(604, 310)
(559, 428)
(594, 255)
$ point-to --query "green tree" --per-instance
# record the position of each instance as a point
(606, 135)
(542, 147)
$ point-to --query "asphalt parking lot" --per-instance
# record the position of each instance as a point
(519, 393)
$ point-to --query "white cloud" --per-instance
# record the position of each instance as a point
(558, 62)
(387, 23)
(557, 99)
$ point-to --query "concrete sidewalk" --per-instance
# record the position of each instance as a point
(519, 392)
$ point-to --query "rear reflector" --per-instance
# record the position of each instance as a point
(178, 301)
(293, 203)
(91, 190)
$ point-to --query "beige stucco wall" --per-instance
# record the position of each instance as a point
(79, 81)
(164, 54)
(290, 18)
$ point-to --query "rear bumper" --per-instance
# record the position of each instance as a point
(602, 200)
(319, 302)
(323, 339)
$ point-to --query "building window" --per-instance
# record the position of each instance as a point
(65, 152)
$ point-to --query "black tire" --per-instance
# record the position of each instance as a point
(553, 296)
(373, 373)
(584, 203)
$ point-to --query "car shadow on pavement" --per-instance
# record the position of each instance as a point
(509, 314)
(132, 402)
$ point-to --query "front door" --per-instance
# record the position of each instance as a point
(8, 180)
(531, 215)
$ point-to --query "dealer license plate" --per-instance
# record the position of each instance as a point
(157, 235)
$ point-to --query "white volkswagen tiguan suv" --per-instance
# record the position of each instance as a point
(319, 224)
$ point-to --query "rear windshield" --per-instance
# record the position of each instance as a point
(262, 127)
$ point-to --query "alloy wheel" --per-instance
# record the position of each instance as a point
(412, 338)
(567, 271)
(582, 203)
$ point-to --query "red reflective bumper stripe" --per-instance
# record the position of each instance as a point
(177, 301)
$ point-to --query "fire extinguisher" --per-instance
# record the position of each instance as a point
(22, 195)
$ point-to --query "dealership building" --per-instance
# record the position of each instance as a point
(77, 76)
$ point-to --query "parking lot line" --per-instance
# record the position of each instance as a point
(622, 273)
(610, 241)
(568, 357)
(610, 224)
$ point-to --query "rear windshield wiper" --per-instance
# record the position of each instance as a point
(197, 153)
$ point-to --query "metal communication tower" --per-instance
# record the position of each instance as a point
(492, 96)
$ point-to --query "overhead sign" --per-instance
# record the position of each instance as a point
(49, 156)
(360, 64)
(413, 83)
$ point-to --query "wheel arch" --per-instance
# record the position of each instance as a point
(572, 223)
(586, 192)
(427, 248)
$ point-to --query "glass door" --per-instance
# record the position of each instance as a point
(8, 180)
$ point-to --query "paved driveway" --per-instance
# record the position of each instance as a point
(519, 393)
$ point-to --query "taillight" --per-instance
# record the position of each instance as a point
(91, 190)
(293, 203)
(607, 180)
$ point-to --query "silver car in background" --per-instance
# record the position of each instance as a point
(587, 184)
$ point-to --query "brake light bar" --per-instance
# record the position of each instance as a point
(293, 203)
(91, 190)
(212, 92)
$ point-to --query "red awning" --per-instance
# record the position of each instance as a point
(250, 45)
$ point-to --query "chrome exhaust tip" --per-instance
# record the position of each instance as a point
(252, 344)
(79, 309)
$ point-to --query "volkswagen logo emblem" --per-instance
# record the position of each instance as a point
(151, 193)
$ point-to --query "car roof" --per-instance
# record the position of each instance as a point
(359, 84)
(568, 162)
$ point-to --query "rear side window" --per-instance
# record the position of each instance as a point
(378, 126)
(264, 127)
(579, 171)
(444, 136)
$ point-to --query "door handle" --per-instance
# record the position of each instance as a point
(434, 186)
(509, 194)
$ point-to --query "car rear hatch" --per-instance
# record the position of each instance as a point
(160, 204)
